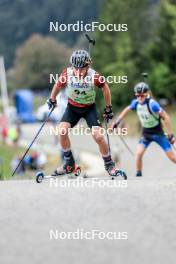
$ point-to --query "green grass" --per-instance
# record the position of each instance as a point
(7, 153)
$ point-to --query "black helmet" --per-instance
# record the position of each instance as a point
(141, 87)
(80, 58)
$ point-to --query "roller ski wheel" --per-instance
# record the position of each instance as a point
(77, 171)
(119, 173)
(39, 177)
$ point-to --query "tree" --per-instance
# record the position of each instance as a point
(162, 52)
(120, 53)
(36, 59)
(20, 19)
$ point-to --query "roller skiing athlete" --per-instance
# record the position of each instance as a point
(150, 114)
(80, 81)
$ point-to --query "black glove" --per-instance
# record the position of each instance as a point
(116, 123)
(51, 104)
(171, 138)
(108, 114)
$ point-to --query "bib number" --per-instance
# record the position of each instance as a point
(77, 92)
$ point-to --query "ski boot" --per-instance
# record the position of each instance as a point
(139, 174)
(113, 171)
(70, 167)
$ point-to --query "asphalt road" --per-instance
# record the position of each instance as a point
(145, 210)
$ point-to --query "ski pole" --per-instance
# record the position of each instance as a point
(145, 76)
(126, 145)
(123, 141)
(46, 119)
(107, 136)
(91, 41)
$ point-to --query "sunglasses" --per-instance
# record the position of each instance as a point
(140, 95)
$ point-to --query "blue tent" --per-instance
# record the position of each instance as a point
(24, 105)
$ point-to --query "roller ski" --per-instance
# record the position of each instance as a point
(114, 172)
(66, 169)
(72, 172)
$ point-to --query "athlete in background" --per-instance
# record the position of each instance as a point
(150, 115)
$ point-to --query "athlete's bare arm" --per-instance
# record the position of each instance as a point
(167, 121)
(124, 112)
(106, 94)
(120, 117)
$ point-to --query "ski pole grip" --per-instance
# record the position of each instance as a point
(89, 39)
